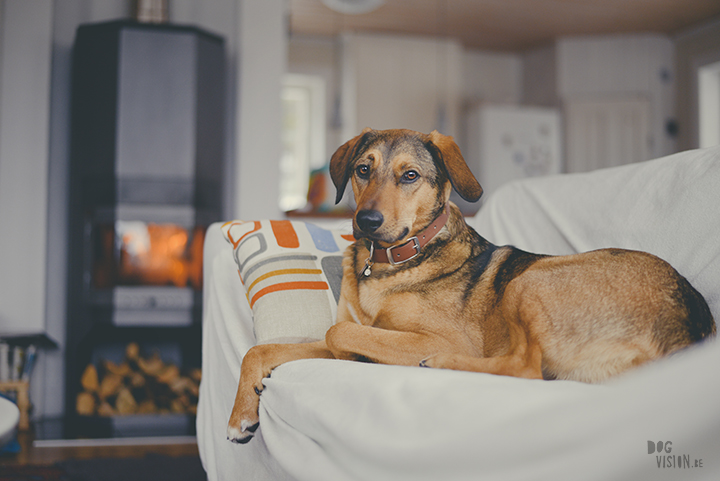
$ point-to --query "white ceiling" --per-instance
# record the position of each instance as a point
(506, 24)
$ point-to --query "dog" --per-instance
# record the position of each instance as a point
(421, 288)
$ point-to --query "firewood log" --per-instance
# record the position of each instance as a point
(106, 410)
(132, 351)
(125, 403)
(89, 379)
(194, 389)
(153, 366)
(147, 407)
(185, 401)
(169, 374)
(136, 380)
(85, 404)
(180, 385)
(122, 369)
(110, 385)
(176, 406)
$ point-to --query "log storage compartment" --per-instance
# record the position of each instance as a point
(137, 391)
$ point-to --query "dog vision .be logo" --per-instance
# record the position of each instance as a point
(666, 459)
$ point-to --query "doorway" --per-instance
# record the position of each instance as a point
(709, 104)
(606, 132)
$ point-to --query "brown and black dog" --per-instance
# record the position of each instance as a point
(422, 288)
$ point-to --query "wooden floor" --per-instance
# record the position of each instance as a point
(32, 455)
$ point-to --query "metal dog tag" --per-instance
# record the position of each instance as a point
(366, 271)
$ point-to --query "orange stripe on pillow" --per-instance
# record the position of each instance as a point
(281, 272)
(348, 237)
(288, 286)
(285, 234)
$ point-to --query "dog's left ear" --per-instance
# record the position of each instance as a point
(340, 162)
(461, 177)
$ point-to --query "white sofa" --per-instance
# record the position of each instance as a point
(337, 420)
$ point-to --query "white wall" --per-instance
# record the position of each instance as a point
(24, 113)
(400, 81)
(540, 77)
(25, 283)
(490, 77)
(262, 64)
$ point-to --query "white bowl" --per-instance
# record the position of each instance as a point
(9, 417)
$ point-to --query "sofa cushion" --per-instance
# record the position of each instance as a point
(291, 272)
(667, 207)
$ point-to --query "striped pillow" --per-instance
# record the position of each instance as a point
(292, 273)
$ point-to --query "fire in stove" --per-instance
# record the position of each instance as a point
(133, 253)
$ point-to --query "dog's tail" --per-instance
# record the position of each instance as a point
(700, 323)
(694, 325)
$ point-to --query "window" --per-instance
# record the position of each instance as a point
(303, 100)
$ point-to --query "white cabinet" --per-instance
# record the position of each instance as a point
(506, 143)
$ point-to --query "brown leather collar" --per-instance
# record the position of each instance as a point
(412, 247)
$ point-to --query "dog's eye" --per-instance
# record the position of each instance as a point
(363, 171)
(409, 177)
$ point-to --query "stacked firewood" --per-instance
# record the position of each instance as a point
(138, 385)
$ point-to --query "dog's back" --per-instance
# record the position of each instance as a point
(600, 313)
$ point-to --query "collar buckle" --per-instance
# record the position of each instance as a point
(416, 246)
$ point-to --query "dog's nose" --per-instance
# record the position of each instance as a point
(369, 220)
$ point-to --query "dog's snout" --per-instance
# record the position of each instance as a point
(369, 220)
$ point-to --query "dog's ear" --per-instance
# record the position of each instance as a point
(340, 162)
(461, 177)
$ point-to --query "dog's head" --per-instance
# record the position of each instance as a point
(401, 180)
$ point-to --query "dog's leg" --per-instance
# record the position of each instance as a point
(522, 355)
(524, 358)
(351, 341)
(257, 364)
(525, 366)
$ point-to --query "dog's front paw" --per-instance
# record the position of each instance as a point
(244, 419)
(244, 433)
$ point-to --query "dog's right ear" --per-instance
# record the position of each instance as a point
(340, 162)
(461, 177)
